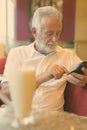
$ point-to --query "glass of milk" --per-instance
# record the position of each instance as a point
(21, 86)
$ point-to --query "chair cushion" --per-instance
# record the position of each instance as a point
(76, 100)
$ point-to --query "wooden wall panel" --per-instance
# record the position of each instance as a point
(81, 20)
(22, 28)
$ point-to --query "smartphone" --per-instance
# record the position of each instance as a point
(78, 69)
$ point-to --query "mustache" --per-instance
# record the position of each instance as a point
(52, 44)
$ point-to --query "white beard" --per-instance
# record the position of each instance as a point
(46, 49)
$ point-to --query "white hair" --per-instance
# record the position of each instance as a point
(41, 12)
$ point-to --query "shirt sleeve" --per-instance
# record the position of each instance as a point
(75, 60)
(14, 60)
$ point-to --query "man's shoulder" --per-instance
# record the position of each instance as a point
(22, 48)
(64, 50)
(21, 51)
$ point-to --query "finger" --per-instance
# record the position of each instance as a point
(65, 70)
(57, 71)
(58, 74)
(78, 76)
(72, 79)
(84, 70)
(75, 81)
(79, 79)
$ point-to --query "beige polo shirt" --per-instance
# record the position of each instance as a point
(49, 95)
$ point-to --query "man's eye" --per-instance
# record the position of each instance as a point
(58, 33)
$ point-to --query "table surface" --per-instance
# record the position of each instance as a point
(45, 121)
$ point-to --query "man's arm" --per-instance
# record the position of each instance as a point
(55, 71)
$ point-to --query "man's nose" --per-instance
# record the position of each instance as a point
(55, 38)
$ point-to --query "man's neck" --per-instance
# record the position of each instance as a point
(36, 48)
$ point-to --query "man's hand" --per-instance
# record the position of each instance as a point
(55, 71)
(4, 93)
(78, 79)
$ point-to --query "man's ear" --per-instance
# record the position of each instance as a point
(34, 32)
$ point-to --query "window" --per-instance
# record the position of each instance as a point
(7, 22)
(2, 20)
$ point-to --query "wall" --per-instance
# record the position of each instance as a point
(69, 20)
(2, 21)
(81, 29)
(81, 21)
(22, 29)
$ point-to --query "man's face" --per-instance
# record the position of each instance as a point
(47, 38)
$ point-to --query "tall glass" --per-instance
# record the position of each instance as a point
(21, 86)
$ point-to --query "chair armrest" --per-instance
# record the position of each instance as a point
(2, 64)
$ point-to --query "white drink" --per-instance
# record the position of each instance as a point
(21, 85)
